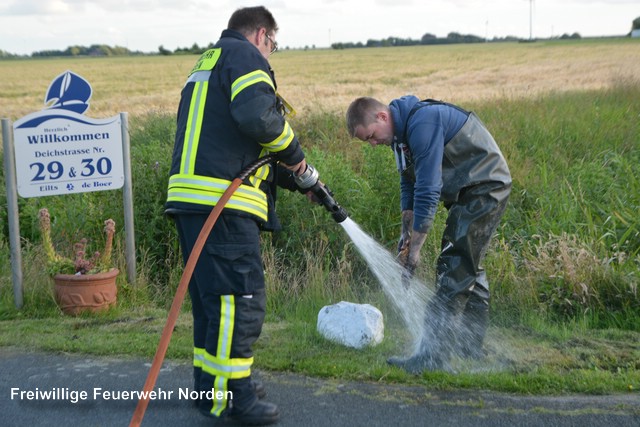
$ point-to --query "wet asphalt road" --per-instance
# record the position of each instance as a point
(303, 401)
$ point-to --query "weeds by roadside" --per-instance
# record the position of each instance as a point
(564, 264)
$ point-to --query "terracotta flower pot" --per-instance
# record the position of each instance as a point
(85, 292)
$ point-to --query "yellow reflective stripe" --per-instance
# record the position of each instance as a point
(208, 191)
(227, 319)
(221, 384)
(247, 80)
(199, 76)
(205, 197)
(263, 172)
(199, 182)
(260, 175)
(198, 357)
(217, 185)
(194, 125)
(221, 366)
(239, 206)
(229, 368)
(223, 350)
(282, 141)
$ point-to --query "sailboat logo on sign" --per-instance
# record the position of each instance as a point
(70, 92)
(67, 98)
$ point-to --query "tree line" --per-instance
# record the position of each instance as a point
(427, 39)
(93, 50)
(430, 39)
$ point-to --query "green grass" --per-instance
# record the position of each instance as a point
(521, 360)
(564, 265)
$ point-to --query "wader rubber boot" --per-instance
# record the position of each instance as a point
(438, 341)
(473, 327)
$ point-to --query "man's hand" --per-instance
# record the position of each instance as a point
(405, 236)
(298, 168)
(412, 256)
(415, 245)
(312, 197)
(403, 250)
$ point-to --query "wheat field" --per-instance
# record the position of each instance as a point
(327, 80)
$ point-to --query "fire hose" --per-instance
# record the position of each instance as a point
(307, 181)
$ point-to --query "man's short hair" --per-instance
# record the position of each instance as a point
(362, 112)
(248, 19)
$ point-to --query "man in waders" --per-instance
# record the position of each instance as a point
(442, 152)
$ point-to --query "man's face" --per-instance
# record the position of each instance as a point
(379, 132)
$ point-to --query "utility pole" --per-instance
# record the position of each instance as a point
(530, 20)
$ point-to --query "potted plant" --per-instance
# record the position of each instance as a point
(82, 283)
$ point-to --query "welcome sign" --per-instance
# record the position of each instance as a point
(58, 150)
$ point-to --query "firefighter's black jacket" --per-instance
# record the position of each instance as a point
(228, 117)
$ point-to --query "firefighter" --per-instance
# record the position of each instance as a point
(443, 153)
(229, 116)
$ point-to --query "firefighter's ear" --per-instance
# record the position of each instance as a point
(261, 36)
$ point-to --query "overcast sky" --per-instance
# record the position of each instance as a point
(34, 25)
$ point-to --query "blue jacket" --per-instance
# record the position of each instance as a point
(425, 131)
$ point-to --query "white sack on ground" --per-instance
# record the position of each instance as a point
(352, 325)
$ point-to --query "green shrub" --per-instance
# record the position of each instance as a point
(568, 246)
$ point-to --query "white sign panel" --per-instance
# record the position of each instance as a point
(60, 151)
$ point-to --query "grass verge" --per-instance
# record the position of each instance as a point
(534, 359)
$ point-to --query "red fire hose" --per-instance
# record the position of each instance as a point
(161, 351)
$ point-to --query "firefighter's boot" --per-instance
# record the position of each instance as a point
(258, 388)
(259, 414)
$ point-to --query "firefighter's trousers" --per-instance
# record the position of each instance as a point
(228, 307)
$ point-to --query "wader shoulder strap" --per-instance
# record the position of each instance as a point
(426, 103)
(404, 157)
